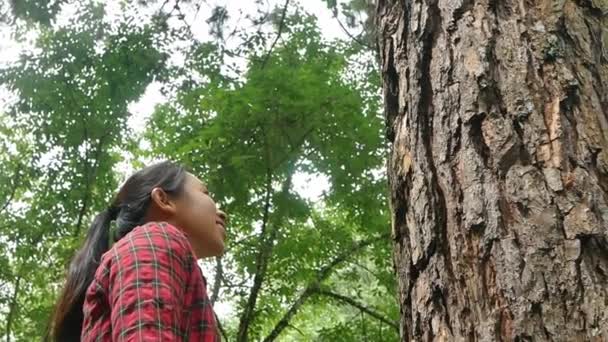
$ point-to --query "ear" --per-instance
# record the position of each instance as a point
(163, 202)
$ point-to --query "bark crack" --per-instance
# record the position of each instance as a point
(425, 116)
(391, 93)
(465, 6)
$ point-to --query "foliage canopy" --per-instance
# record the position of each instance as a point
(254, 119)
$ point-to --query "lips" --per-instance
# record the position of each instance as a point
(223, 225)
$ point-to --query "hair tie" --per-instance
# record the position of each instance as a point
(113, 210)
(112, 234)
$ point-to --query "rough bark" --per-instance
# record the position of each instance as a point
(497, 114)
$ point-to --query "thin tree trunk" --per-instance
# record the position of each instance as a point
(267, 236)
(217, 281)
(268, 232)
(19, 279)
(276, 39)
(90, 175)
(497, 114)
(13, 307)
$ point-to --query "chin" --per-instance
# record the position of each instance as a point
(214, 251)
(221, 244)
(220, 250)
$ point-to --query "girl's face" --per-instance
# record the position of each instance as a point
(198, 216)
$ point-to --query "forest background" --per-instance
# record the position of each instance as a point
(275, 104)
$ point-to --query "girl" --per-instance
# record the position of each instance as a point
(139, 280)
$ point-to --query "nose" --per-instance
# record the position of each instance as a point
(223, 216)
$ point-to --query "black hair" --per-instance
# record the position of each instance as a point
(128, 209)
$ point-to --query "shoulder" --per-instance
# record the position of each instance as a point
(158, 234)
(153, 242)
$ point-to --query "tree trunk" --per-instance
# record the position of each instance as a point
(497, 114)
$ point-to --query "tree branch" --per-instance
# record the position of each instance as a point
(243, 240)
(313, 286)
(359, 306)
(284, 322)
(163, 6)
(230, 285)
(221, 328)
(90, 177)
(294, 147)
(359, 41)
(365, 268)
(296, 329)
(12, 194)
(325, 271)
(182, 17)
(281, 26)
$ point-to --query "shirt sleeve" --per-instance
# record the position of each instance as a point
(148, 281)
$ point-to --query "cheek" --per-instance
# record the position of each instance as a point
(205, 214)
(208, 236)
(195, 214)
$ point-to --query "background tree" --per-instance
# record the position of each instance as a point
(253, 108)
(292, 110)
(497, 116)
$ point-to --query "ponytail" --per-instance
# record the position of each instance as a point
(67, 320)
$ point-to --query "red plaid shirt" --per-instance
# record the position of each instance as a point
(148, 287)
